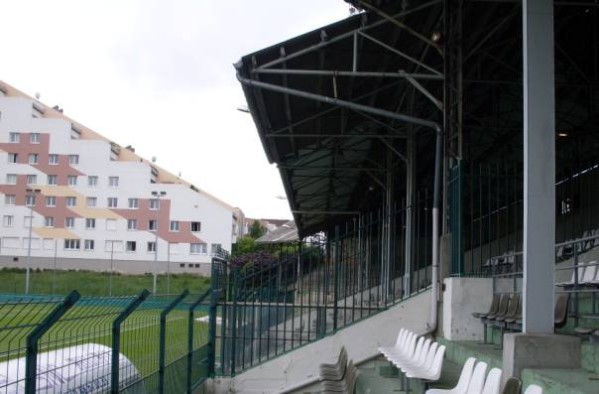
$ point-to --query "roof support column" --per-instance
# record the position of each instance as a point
(410, 181)
(539, 166)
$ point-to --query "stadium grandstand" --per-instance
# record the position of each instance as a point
(445, 155)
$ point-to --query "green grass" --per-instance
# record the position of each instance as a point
(97, 284)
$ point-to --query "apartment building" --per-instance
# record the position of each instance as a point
(71, 198)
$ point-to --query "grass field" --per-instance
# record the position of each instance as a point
(97, 283)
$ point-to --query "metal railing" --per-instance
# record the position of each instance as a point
(139, 344)
(268, 308)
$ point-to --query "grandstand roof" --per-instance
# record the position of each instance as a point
(331, 153)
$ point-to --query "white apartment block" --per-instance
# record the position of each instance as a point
(95, 205)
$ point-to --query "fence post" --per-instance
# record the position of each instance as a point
(190, 325)
(336, 283)
(37, 333)
(116, 339)
(162, 351)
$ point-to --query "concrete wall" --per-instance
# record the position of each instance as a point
(461, 298)
(361, 341)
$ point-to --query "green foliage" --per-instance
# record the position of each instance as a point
(256, 230)
(244, 245)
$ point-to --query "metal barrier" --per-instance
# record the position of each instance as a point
(270, 307)
(142, 344)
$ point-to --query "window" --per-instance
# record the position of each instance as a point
(49, 221)
(89, 244)
(131, 224)
(71, 201)
(14, 138)
(10, 199)
(197, 248)
(214, 248)
(113, 246)
(154, 204)
(90, 223)
(196, 226)
(73, 159)
(92, 181)
(72, 244)
(52, 180)
(11, 179)
(131, 246)
(69, 222)
(8, 221)
(113, 181)
(91, 202)
(32, 179)
(133, 203)
(113, 202)
(30, 200)
(152, 247)
(72, 180)
(33, 158)
(53, 159)
(34, 138)
(13, 158)
(50, 201)
(111, 224)
(152, 225)
(174, 225)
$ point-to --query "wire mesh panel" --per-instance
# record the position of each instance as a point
(141, 344)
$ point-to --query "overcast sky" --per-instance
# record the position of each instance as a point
(153, 73)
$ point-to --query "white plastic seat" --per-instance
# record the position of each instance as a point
(406, 350)
(533, 389)
(572, 281)
(408, 339)
(589, 273)
(418, 358)
(398, 359)
(595, 281)
(400, 336)
(477, 381)
(463, 381)
(432, 373)
(493, 382)
(428, 359)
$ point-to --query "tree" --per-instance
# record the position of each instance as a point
(244, 245)
(256, 230)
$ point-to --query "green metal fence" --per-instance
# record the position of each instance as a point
(270, 307)
(140, 344)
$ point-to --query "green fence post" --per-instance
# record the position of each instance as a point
(190, 325)
(162, 353)
(116, 339)
(33, 339)
(336, 279)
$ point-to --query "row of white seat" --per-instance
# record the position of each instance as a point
(416, 357)
(422, 358)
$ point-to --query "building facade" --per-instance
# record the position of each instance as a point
(72, 198)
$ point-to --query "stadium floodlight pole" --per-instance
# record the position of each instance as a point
(157, 196)
(31, 193)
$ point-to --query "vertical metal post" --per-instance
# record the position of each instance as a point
(409, 240)
(162, 344)
(54, 270)
(539, 166)
(33, 339)
(33, 193)
(190, 326)
(116, 339)
(336, 285)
